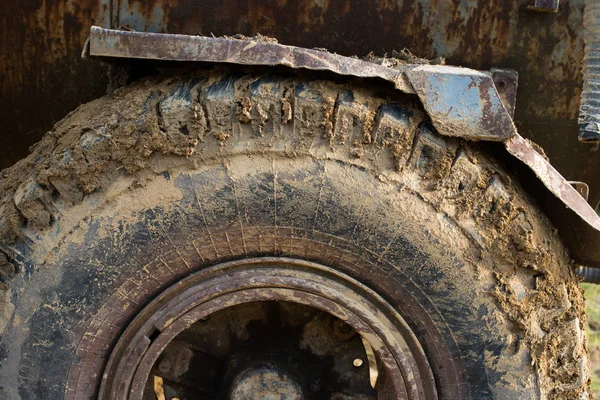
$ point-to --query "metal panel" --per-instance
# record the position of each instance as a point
(462, 102)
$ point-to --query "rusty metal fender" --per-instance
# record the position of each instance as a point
(461, 103)
(111, 43)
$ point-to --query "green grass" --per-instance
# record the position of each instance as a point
(592, 309)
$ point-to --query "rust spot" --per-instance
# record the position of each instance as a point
(41, 74)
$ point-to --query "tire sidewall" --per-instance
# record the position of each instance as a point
(120, 256)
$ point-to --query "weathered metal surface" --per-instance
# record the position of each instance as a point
(577, 223)
(545, 48)
(462, 102)
(507, 83)
(41, 74)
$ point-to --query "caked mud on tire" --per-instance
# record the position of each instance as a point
(134, 191)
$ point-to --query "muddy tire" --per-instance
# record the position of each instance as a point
(138, 190)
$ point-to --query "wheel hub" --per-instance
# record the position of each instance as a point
(265, 382)
(269, 328)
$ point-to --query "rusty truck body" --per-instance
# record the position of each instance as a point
(136, 258)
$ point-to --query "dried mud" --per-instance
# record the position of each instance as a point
(156, 126)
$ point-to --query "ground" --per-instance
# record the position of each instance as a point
(592, 295)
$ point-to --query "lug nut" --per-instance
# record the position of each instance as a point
(164, 366)
(358, 362)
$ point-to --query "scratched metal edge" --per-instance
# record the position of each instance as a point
(552, 179)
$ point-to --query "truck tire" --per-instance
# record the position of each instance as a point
(342, 189)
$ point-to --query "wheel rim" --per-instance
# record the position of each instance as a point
(404, 370)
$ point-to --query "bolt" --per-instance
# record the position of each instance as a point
(233, 363)
(164, 366)
(358, 362)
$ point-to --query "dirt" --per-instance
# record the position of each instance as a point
(592, 296)
(539, 149)
(91, 144)
(534, 285)
(258, 38)
(402, 58)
